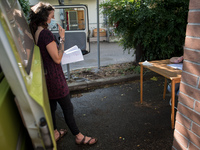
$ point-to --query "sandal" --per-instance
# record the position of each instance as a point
(64, 132)
(61, 132)
(88, 142)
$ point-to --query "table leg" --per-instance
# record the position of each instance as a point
(141, 84)
(165, 89)
(173, 102)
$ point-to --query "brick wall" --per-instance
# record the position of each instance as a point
(187, 125)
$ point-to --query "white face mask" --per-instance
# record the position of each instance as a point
(53, 24)
(53, 21)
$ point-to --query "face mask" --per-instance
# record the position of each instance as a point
(53, 24)
(53, 21)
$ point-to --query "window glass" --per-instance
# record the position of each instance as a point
(19, 30)
(69, 19)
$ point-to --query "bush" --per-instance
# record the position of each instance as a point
(25, 7)
(154, 27)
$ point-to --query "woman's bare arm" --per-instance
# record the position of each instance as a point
(57, 53)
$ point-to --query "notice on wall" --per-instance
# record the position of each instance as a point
(71, 55)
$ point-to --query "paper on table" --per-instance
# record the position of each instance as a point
(72, 55)
(146, 63)
(176, 66)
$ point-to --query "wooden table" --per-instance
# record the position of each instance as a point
(160, 67)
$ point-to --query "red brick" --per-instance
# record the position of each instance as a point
(193, 30)
(189, 113)
(193, 147)
(186, 100)
(194, 138)
(188, 134)
(197, 106)
(199, 84)
(193, 17)
(189, 79)
(191, 68)
(192, 43)
(180, 139)
(194, 4)
(192, 55)
(180, 128)
(196, 129)
(178, 146)
(195, 93)
(183, 120)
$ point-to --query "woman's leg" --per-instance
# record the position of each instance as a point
(67, 107)
(53, 106)
(57, 134)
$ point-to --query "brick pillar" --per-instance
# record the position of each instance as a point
(187, 125)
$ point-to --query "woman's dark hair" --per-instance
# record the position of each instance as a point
(39, 16)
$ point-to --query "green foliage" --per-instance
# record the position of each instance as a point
(88, 69)
(137, 69)
(25, 6)
(159, 26)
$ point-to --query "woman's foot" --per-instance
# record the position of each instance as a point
(85, 140)
(59, 134)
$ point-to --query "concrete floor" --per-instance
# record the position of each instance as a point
(115, 116)
(110, 53)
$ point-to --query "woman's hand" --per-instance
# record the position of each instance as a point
(61, 32)
(176, 59)
(180, 59)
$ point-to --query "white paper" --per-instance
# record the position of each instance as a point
(146, 63)
(72, 55)
(176, 66)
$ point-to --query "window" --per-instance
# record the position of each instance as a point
(69, 19)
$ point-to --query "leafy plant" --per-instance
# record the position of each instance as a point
(154, 27)
(137, 69)
(25, 6)
(88, 69)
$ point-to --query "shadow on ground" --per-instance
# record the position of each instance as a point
(115, 116)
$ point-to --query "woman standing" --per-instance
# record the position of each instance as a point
(40, 16)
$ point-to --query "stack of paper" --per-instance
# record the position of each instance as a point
(176, 66)
(72, 55)
(146, 63)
